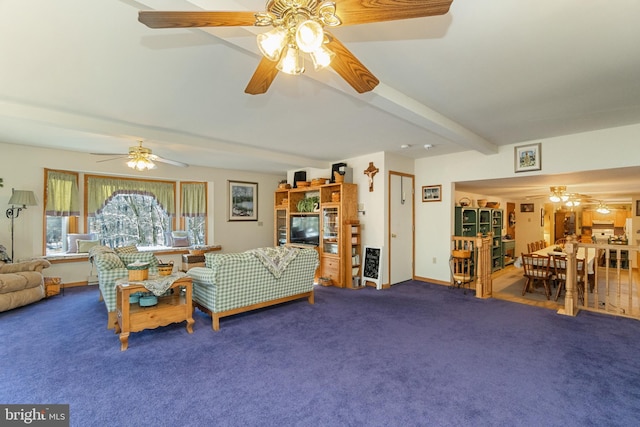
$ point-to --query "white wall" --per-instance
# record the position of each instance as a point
(602, 149)
(22, 167)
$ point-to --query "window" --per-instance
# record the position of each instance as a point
(131, 219)
(194, 211)
(126, 211)
(61, 209)
(120, 211)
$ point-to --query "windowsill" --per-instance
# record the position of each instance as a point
(83, 257)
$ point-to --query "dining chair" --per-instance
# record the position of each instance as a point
(561, 241)
(560, 275)
(531, 247)
(537, 268)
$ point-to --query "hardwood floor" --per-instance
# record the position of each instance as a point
(508, 284)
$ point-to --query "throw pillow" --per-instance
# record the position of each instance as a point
(85, 245)
(132, 249)
(107, 261)
(140, 256)
(72, 239)
(180, 238)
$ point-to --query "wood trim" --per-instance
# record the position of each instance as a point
(215, 317)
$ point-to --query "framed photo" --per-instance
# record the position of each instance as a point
(432, 193)
(528, 158)
(637, 207)
(243, 201)
(541, 217)
(526, 207)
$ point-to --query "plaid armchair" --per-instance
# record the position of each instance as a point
(112, 266)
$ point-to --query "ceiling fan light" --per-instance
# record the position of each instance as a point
(272, 42)
(322, 57)
(291, 61)
(141, 164)
(554, 198)
(309, 36)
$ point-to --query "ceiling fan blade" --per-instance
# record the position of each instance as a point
(113, 158)
(350, 69)
(262, 77)
(160, 19)
(155, 158)
(353, 12)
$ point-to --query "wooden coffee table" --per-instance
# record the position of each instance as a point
(174, 308)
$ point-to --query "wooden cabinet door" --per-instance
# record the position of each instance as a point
(587, 218)
(620, 218)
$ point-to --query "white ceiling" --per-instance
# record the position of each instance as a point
(87, 76)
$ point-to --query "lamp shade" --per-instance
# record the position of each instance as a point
(272, 43)
(23, 198)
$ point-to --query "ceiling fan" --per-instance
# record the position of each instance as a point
(141, 158)
(298, 28)
(559, 194)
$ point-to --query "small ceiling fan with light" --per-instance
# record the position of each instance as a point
(141, 158)
(299, 30)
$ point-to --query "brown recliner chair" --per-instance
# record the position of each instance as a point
(21, 283)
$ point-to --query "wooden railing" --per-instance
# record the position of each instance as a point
(480, 247)
(613, 287)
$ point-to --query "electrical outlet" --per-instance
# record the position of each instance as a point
(260, 223)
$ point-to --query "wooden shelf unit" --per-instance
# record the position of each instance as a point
(338, 209)
(355, 282)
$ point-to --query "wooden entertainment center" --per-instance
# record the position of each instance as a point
(336, 213)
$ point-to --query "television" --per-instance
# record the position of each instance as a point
(305, 229)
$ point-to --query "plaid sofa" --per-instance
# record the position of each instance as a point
(112, 266)
(238, 282)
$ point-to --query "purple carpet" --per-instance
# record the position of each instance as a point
(415, 355)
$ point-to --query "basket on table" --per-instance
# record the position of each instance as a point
(138, 271)
(165, 268)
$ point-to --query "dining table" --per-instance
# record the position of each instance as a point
(583, 253)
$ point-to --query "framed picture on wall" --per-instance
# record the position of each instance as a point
(637, 207)
(243, 201)
(526, 207)
(528, 158)
(432, 193)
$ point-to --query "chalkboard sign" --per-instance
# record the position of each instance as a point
(371, 270)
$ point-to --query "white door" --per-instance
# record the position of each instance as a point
(401, 227)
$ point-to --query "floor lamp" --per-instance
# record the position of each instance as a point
(19, 197)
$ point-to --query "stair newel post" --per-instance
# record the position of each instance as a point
(570, 300)
(483, 265)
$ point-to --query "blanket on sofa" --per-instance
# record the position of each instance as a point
(275, 259)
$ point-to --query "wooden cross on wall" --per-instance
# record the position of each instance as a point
(370, 172)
